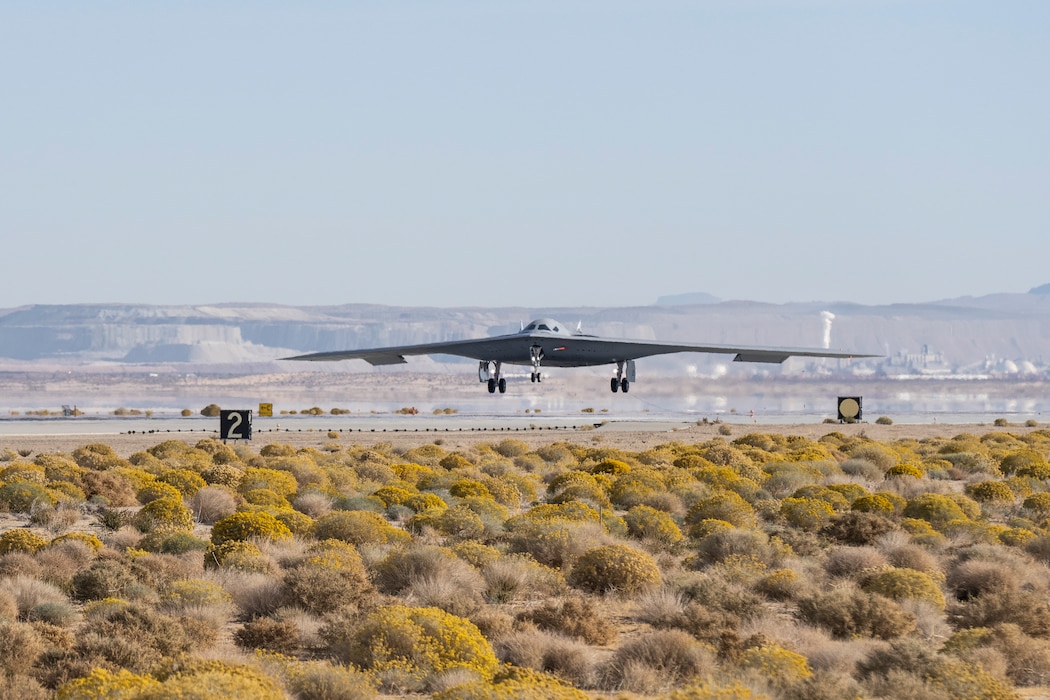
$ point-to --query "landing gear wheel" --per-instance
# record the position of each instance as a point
(625, 385)
(502, 385)
(539, 377)
(492, 386)
(614, 384)
(533, 377)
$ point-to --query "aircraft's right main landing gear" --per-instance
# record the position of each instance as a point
(619, 381)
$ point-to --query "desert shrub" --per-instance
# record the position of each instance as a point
(975, 577)
(433, 575)
(22, 496)
(475, 553)
(332, 576)
(421, 502)
(1027, 659)
(614, 567)
(1038, 503)
(20, 647)
(211, 504)
(730, 542)
(281, 483)
(513, 683)
(407, 648)
(514, 577)
(780, 584)
(459, 522)
(880, 455)
(858, 527)
(904, 469)
(265, 499)
(164, 514)
(215, 680)
(854, 561)
(105, 578)
(103, 684)
(21, 471)
(1024, 608)
(111, 489)
(133, 636)
(935, 508)
(634, 487)
(862, 468)
(197, 598)
(948, 677)
(1026, 460)
(172, 542)
(990, 492)
(277, 636)
(96, 456)
(832, 497)
(248, 525)
(656, 661)
(809, 514)
(727, 506)
(157, 489)
(847, 612)
(873, 503)
(555, 542)
(780, 666)
(27, 593)
(564, 658)
(510, 448)
(321, 680)
(239, 555)
(21, 541)
(227, 475)
(647, 523)
(900, 584)
(358, 527)
(573, 617)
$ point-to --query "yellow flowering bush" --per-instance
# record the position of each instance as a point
(21, 541)
(244, 526)
(408, 646)
(615, 567)
(102, 684)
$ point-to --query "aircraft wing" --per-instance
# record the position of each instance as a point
(616, 350)
(565, 351)
(478, 349)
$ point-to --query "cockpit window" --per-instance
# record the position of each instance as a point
(543, 327)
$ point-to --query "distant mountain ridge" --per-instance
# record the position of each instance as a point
(966, 334)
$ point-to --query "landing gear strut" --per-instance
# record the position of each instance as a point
(620, 381)
(494, 380)
(537, 354)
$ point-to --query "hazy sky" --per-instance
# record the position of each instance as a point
(532, 153)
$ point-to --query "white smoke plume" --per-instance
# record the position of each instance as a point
(827, 317)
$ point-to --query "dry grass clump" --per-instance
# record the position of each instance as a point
(573, 617)
(656, 662)
(564, 658)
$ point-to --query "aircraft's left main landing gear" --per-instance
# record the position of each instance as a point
(620, 381)
(494, 381)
